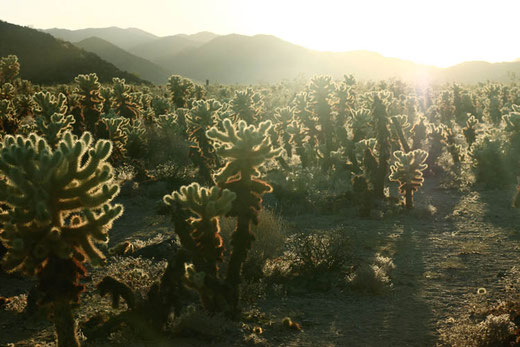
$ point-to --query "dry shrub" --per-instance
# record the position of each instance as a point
(488, 321)
(269, 242)
(138, 273)
(16, 303)
(198, 323)
(374, 278)
(312, 261)
(319, 252)
(493, 331)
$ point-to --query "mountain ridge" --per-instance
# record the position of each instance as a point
(236, 58)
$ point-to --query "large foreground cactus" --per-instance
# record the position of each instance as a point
(245, 148)
(204, 241)
(57, 205)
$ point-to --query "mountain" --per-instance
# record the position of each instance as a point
(479, 71)
(164, 48)
(124, 60)
(123, 38)
(264, 58)
(46, 60)
(202, 37)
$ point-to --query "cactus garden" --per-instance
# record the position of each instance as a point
(312, 212)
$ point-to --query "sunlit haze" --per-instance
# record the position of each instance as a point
(441, 32)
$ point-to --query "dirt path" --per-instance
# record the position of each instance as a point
(471, 242)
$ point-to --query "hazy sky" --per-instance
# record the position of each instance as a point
(437, 32)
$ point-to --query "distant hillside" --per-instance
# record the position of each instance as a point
(123, 38)
(241, 59)
(202, 37)
(263, 58)
(124, 60)
(164, 48)
(46, 60)
(479, 71)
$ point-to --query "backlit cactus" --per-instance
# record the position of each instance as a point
(57, 206)
(246, 105)
(89, 91)
(407, 170)
(9, 68)
(51, 119)
(199, 119)
(470, 131)
(204, 241)
(245, 148)
(123, 104)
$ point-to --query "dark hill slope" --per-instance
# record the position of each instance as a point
(124, 60)
(47, 60)
(123, 38)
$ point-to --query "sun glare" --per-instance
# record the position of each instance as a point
(440, 33)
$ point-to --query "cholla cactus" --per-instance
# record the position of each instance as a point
(106, 94)
(512, 120)
(24, 106)
(306, 117)
(284, 117)
(344, 102)
(116, 133)
(493, 104)
(245, 148)
(400, 125)
(206, 204)
(7, 91)
(407, 170)
(194, 264)
(53, 129)
(419, 132)
(9, 122)
(321, 89)
(51, 120)
(202, 116)
(379, 104)
(160, 105)
(446, 108)
(453, 148)
(9, 68)
(57, 206)
(360, 124)
(512, 129)
(123, 104)
(437, 138)
(470, 131)
(204, 241)
(181, 90)
(89, 91)
(48, 104)
(246, 105)
(136, 140)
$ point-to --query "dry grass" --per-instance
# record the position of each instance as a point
(373, 278)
